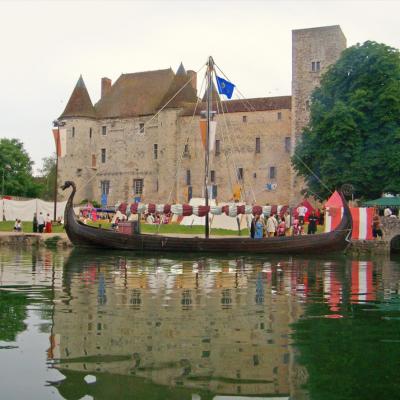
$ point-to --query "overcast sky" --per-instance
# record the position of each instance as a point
(45, 46)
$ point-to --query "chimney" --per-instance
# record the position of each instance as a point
(105, 86)
(193, 76)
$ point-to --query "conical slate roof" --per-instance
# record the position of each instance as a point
(181, 70)
(79, 104)
(185, 95)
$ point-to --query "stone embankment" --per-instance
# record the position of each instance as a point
(21, 239)
(365, 247)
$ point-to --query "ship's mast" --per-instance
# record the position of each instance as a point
(210, 66)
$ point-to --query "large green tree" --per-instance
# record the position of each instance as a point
(47, 178)
(16, 168)
(354, 131)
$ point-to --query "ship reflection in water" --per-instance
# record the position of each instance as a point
(122, 326)
(169, 328)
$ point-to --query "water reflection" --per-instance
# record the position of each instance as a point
(203, 326)
(182, 328)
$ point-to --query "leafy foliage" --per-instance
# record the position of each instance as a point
(12, 315)
(354, 131)
(47, 178)
(16, 166)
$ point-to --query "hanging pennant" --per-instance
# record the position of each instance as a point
(203, 131)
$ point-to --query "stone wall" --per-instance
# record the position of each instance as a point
(130, 154)
(313, 51)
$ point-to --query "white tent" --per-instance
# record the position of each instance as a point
(24, 210)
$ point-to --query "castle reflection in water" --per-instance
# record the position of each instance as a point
(222, 326)
(205, 327)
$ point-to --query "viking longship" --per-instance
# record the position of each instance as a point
(81, 234)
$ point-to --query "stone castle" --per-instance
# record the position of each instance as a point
(141, 141)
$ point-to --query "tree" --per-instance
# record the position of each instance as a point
(16, 166)
(354, 131)
(47, 178)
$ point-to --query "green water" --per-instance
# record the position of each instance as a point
(109, 325)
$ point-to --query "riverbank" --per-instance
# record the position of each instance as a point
(24, 239)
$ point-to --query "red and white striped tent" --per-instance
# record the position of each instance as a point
(362, 218)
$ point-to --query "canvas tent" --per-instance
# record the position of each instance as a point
(24, 210)
(383, 202)
(362, 218)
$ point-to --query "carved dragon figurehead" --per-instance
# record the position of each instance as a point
(68, 184)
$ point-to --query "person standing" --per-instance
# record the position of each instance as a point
(34, 223)
(387, 212)
(253, 228)
(281, 227)
(288, 223)
(272, 224)
(40, 222)
(48, 223)
(312, 223)
(302, 211)
(376, 227)
(259, 228)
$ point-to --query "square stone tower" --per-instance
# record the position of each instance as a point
(313, 51)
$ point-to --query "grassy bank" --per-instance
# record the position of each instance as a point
(8, 226)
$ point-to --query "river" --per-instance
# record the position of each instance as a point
(111, 325)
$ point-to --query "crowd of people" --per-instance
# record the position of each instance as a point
(286, 224)
(376, 222)
(275, 225)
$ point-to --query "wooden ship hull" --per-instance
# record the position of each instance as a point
(84, 235)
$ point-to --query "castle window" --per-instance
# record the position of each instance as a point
(240, 173)
(73, 131)
(90, 133)
(212, 176)
(105, 187)
(93, 160)
(244, 118)
(217, 147)
(157, 185)
(155, 151)
(272, 172)
(258, 145)
(214, 191)
(137, 186)
(141, 127)
(104, 130)
(186, 150)
(103, 155)
(287, 144)
(315, 66)
(188, 177)
(279, 116)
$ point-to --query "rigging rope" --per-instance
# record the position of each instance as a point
(182, 154)
(253, 109)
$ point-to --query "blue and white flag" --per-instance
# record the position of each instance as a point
(225, 87)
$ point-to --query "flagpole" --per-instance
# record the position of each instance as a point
(207, 155)
(57, 124)
(55, 180)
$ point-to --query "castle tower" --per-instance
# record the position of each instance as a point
(313, 51)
